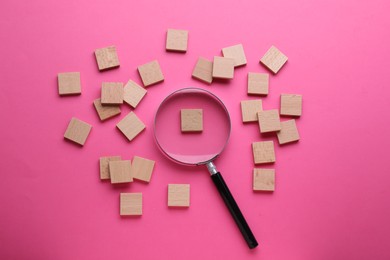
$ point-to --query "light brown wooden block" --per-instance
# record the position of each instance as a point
(191, 120)
(178, 195)
(263, 152)
(263, 179)
(131, 126)
(107, 58)
(133, 93)
(120, 171)
(112, 93)
(269, 121)
(288, 133)
(258, 83)
(77, 131)
(249, 110)
(106, 112)
(274, 59)
(104, 168)
(177, 40)
(291, 105)
(131, 204)
(236, 53)
(203, 70)
(223, 68)
(142, 168)
(69, 83)
(151, 73)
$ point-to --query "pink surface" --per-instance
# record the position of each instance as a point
(332, 188)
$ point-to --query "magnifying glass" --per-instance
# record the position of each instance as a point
(199, 148)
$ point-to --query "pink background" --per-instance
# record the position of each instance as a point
(332, 188)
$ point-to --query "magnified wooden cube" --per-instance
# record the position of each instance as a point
(131, 204)
(263, 179)
(77, 131)
(263, 152)
(107, 58)
(191, 120)
(178, 195)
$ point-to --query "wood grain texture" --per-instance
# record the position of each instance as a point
(263, 179)
(120, 171)
(107, 58)
(191, 120)
(106, 112)
(142, 168)
(69, 83)
(288, 133)
(203, 70)
(77, 131)
(236, 53)
(269, 121)
(131, 126)
(112, 93)
(258, 83)
(291, 105)
(178, 195)
(104, 166)
(223, 68)
(133, 93)
(131, 204)
(249, 110)
(274, 59)
(177, 40)
(151, 73)
(263, 152)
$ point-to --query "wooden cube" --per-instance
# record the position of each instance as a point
(112, 93)
(288, 133)
(131, 126)
(236, 53)
(178, 195)
(263, 179)
(203, 70)
(120, 171)
(133, 93)
(263, 152)
(291, 105)
(151, 73)
(223, 68)
(142, 168)
(274, 59)
(249, 110)
(107, 58)
(77, 131)
(131, 204)
(258, 83)
(104, 168)
(177, 40)
(191, 120)
(69, 83)
(106, 112)
(269, 121)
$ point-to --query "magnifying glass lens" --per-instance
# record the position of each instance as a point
(192, 147)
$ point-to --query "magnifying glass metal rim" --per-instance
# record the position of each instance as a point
(184, 90)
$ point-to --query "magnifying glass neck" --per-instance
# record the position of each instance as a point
(211, 167)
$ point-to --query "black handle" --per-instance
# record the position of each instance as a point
(234, 210)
